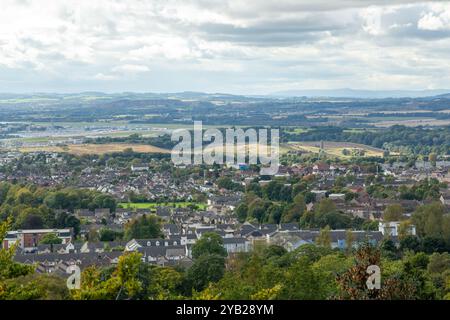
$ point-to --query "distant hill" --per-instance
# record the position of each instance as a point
(363, 94)
(203, 96)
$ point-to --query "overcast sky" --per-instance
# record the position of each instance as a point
(249, 47)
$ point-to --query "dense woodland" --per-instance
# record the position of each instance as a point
(163, 141)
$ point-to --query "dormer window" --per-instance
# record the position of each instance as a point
(149, 243)
(157, 243)
(175, 243)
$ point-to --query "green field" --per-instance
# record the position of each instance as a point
(152, 205)
(296, 130)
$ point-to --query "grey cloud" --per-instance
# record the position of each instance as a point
(261, 35)
(256, 7)
(278, 31)
(52, 56)
(412, 32)
(403, 24)
(35, 43)
(275, 23)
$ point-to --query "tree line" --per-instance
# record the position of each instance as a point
(33, 207)
(414, 140)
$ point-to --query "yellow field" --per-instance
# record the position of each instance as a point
(84, 149)
(413, 123)
(248, 148)
(336, 148)
(330, 148)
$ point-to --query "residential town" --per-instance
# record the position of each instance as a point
(189, 203)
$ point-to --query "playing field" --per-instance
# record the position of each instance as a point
(152, 205)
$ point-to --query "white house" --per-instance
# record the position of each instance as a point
(31, 238)
(337, 196)
(236, 245)
(139, 167)
(319, 194)
(392, 228)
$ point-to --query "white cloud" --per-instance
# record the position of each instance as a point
(105, 77)
(437, 19)
(372, 20)
(131, 68)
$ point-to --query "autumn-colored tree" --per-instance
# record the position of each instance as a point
(393, 212)
(123, 283)
(324, 238)
(164, 283)
(404, 229)
(267, 294)
(432, 157)
(349, 241)
(145, 227)
(353, 282)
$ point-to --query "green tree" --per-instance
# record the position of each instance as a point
(439, 262)
(340, 182)
(327, 267)
(207, 268)
(410, 243)
(295, 211)
(34, 286)
(305, 282)
(123, 282)
(145, 227)
(404, 229)
(64, 220)
(325, 206)
(8, 268)
(275, 213)
(349, 241)
(432, 157)
(110, 235)
(430, 220)
(165, 283)
(50, 238)
(324, 237)
(18, 281)
(209, 243)
(393, 212)
(241, 212)
(257, 209)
